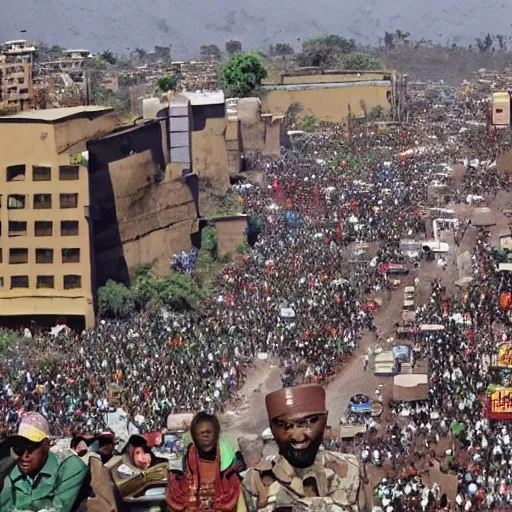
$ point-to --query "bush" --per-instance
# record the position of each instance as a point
(116, 300)
(309, 123)
(242, 74)
(209, 241)
(359, 61)
(167, 83)
(324, 51)
(8, 341)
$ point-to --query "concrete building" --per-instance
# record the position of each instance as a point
(16, 89)
(45, 256)
(333, 96)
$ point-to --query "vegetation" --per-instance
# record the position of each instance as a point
(177, 292)
(210, 52)
(309, 123)
(167, 83)
(233, 47)
(324, 51)
(359, 61)
(291, 116)
(8, 341)
(282, 50)
(242, 74)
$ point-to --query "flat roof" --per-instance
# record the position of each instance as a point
(205, 98)
(52, 115)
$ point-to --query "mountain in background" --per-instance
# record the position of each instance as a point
(123, 25)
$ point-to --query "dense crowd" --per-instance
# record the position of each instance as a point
(330, 191)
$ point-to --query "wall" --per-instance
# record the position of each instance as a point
(331, 104)
(209, 152)
(230, 233)
(141, 215)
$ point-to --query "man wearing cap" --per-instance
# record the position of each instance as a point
(40, 480)
(302, 477)
(106, 442)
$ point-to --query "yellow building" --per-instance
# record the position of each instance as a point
(332, 96)
(45, 256)
(16, 91)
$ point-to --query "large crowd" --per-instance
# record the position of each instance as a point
(328, 192)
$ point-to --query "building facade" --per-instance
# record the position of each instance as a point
(45, 257)
(16, 88)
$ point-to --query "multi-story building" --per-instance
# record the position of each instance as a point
(45, 254)
(16, 90)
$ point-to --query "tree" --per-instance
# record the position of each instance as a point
(484, 45)
(210, 52)
(309, 123)
(233, 47)
(501, 42)
(389, 40)
(167, 83)
(324, 51)
(242, 74)
(163, 54)
(109, 57)
(282, 50)
(46, 53)
(359, 61)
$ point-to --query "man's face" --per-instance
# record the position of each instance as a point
(140, 458)
(206, 436)
(32, 456)
(299, 437)
(106, 447)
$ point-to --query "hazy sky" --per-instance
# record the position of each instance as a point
(122, 25)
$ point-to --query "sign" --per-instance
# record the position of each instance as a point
(500, 407)
(505, 355)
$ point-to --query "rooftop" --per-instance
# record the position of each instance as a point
(52, 115)
(205, 98)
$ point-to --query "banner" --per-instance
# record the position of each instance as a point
(505, 355)
(500, 407)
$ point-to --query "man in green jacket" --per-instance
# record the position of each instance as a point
(40, 480)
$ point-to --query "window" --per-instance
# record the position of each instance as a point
(42, 201)
(1, 256)
(43, 228)
(16, 202)
(70, 255)
(18, 256)
(17, 228)
(19, 282)
(68, 200)
(1, 282)
(16, 173)
(44, 255)
(45, 282)
(72, 281)
(40, 173)
(68, 172)
(69, 228)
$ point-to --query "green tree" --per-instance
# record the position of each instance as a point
(167, 83)
(46, 53)
(163, 54)
(324, 51)
(292, 114)
(309, 123)
(116, 300)
(359, 61)
(242, 74)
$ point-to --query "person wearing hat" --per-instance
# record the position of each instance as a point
(106, 442)
(99, 493)
(302, 476)
(40, 479)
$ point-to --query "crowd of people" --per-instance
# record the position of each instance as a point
(329, 192)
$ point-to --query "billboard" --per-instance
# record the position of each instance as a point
(505, 355)
(500, 404)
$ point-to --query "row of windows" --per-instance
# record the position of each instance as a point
(20, 256)
(41, 228)
(69, 282)
(42, 173)
(41, 201)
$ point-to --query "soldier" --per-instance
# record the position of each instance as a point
(302, 477)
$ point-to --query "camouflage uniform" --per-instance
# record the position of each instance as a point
(278, 486)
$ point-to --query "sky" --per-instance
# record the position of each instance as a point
(123, 25)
